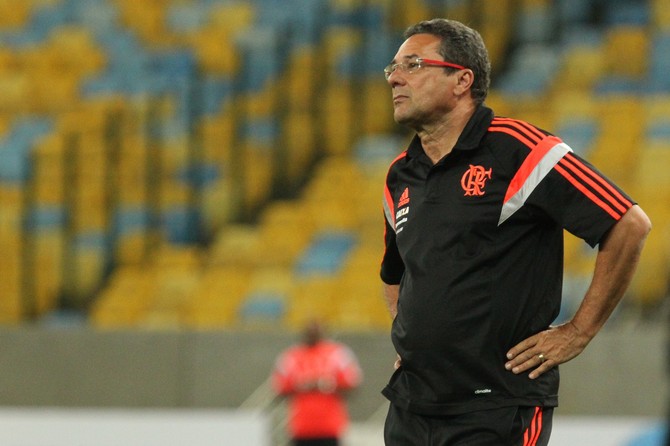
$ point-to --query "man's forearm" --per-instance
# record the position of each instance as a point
(616, 262)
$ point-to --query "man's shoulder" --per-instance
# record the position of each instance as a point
(517, 130)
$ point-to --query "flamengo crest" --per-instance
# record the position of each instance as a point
(474, 180)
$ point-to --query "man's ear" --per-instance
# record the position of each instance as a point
(465, 80)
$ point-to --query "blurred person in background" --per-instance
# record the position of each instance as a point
(315, 375)
(475, 211)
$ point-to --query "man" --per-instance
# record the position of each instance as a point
(475, 210)
(314, 375)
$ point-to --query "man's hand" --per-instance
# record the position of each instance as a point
(546, 350)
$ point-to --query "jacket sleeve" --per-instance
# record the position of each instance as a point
(282, 383)
(349, 374)
(581, 199)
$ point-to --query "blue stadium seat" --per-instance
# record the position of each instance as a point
(326, 254)
(180, 224)
(618, 85)
(573, 11)
(46, 217)
(626, 12)
(263, 307)
(187, 18)
(213, 94)
(130, 219)
(261, 130)
(15, 148)
(658, 130)
(578, 34)
(535, 24)
(579, 133)
(532, 68)
(262, 61)
(299, 17)
(658, 79)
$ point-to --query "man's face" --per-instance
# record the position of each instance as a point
(424, 96)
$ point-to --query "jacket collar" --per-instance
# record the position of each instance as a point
(470, 138)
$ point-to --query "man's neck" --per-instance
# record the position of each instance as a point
(439, 140)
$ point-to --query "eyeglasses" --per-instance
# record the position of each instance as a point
(414, 65)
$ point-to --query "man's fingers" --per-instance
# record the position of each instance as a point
(522, 347)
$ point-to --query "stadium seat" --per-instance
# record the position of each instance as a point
(11, 304)
(313, 297)
(124, 301)
(631, 40)
(235, 244)
(627, 12)
(262, 309)
(218, 297)
(535, 22)
(660, 15)
(581, 67)
(325, 255)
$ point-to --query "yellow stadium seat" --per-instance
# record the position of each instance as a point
(76, 51)
(617, 146)
(631, 41)
(337, 112)
(11, 286)
(217, 297)
(661, 14)
(146, 18)
(300, 135)
(285, 230)
(49, 170)
(48, 273)
(581, 67)
(12, 204)
(313, 297)
(232, 17)
(217, 134)
(653, 165)
(258, 175)
(652, 278)
(377, 107)
(15, 88)
(14, 15)
(215, 51)
(235, 244)
(125, 299)
(301, 79)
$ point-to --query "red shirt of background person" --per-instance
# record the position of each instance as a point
(313, 375)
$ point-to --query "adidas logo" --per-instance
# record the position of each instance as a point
(404, 198)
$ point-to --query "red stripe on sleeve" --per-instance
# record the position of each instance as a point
(596, 187)
(616, 195)
(588, 193)
(515, 134)
(523, 126)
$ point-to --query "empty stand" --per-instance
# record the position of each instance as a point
(216, 164)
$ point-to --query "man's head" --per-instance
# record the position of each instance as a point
(312, 333)
(441, 66)
(460, 45)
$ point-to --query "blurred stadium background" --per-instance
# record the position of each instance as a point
(184, 182)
